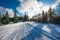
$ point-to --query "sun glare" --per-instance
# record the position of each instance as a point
(45, 8)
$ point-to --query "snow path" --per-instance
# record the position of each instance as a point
(46, 33)
(29, 31)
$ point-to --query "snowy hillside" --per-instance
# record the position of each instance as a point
(30, 31)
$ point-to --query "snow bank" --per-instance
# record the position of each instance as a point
(58, 29)
(25, 31)
(45, 28)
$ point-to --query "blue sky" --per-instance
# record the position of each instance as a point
(9, 4)
(47, 2)
(31, 7)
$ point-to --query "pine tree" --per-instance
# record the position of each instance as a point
(26, 18)
(31, 20)
(16, 19)
(0, 21)
(7, 17)
(43, 16)
(59, 12)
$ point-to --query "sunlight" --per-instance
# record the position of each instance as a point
(45, 28)
(45, 8)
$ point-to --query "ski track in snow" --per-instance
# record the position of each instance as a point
(29, 31)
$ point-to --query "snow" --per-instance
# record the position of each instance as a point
(45, 38)
(33, 23)
(29, 31)
(45, 28)
(58, 29)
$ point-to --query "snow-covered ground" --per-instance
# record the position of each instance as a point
(30, 31)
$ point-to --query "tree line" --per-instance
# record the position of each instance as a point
(6, 19)
(46, 18)
(49, 17)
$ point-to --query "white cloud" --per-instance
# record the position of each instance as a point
(2, 10)
(10, 12)
(55, 4)
(21, 1)
(32, 7)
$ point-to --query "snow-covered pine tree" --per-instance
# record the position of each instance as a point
(7, 17)
(16, 19)
(26, 18)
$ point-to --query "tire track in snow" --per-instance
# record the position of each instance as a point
(45, 33)
(4, 33)
(22, 31)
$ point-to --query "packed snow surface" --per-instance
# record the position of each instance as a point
(30, 31)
